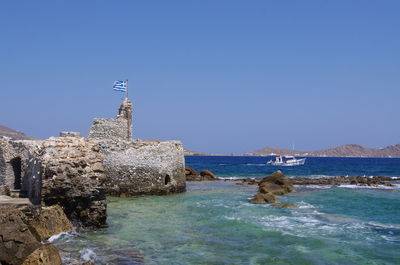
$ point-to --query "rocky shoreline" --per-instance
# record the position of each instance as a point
(372, 181)
(25, 229)
(206, 175)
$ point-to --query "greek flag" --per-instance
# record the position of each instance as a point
(120, 86)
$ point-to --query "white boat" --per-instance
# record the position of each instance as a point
(286, 161)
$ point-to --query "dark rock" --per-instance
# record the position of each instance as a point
(276, 184)
(268, 187)
(207, 175)
(16, 240)
(47, 254)
(47, 221)
(261, 198)
(204, 175)
(191, 174)
(354, 180)
(245, 181)
(23, 227)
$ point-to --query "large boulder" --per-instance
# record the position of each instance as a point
(276, 184)
(204, 175)
(46, 254)
(268, 187)
(261, 198)
(191, 174)
(47, 221)
(207, 175)
(23, 227)
(16, 240)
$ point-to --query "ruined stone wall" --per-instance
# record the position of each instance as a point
(118, 128)
(14, 156)
(72, 175)
(109, 129)
(143, 167)
(67, 171)
(2, 168)
(70, 134)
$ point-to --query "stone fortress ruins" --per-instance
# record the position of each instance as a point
(78, 173)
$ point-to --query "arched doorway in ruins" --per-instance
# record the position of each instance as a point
(16, 165)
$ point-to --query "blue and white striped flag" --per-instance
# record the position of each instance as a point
(120, 86)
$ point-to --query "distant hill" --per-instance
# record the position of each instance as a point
(13, 134)
(266, 151)
(348, 150)
(193, 153)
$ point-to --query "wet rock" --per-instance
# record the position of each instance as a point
(261, 198)
(46, 254)
(204, 175)
(245, 181)
(268, 187)
(207, 175)
(23, 227)
(354, 180)
(47, 221)
(276, 184)
(191, 174)
(16, 240)
(285, 205)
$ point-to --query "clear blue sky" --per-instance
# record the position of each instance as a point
(221, 76)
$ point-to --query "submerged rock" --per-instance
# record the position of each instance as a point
(261, 198)
(285, 205)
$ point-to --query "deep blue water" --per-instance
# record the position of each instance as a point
(255, 166)
(214, 222)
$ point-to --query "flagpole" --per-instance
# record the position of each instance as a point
(126, 88)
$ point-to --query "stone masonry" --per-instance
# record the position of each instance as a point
(77, 173)
(143, 167)
(135, 167)
(118, 128)
(72, 175)
(14, 156)
(67, 171)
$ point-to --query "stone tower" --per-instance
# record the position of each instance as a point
(125, 112)
(117, 128)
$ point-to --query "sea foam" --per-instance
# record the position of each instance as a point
(88, 254)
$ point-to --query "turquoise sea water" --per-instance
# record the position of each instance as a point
(213, 223)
